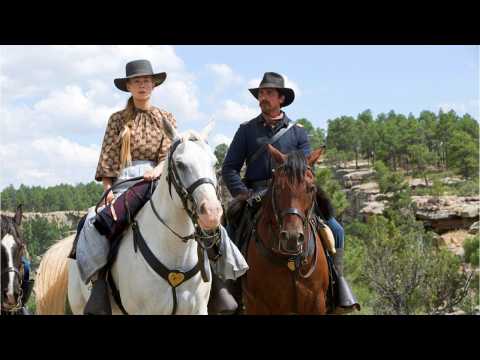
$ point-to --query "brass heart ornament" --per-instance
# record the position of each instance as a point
(175, 278)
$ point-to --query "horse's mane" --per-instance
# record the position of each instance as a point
(295, 166)
(324, 204)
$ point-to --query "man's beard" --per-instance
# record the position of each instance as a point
(265, 106)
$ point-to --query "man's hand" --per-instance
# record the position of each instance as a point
(244, 195)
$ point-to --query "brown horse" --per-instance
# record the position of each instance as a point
(288, 267)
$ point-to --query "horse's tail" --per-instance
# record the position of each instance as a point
(51, 283)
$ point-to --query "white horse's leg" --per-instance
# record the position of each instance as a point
(77, 291)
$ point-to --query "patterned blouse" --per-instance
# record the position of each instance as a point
(147, 141)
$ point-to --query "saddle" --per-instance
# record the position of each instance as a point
(241, 213)
(113, 219)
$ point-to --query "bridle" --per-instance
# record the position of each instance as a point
(18, 272)
(280, 216)
(206, 240)
(294, 261)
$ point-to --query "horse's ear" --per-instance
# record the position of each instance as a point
(206, 131)
(18, 215)
(315, 155)
(276, 154)
(170, 131)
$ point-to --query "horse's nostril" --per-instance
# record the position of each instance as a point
(300, 238)
(11, 299)
(202, 209)
(283, 235)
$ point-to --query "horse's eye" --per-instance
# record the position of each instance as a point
(180, 165)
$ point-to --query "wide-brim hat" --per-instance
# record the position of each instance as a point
(139, 68)
(275, 81)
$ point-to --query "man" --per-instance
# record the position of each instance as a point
(272, 95)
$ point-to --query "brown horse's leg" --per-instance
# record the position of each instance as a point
(254, 306)
(321, 304)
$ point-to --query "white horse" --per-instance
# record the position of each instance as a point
(142, 290)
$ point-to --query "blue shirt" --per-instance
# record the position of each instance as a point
(248, 138)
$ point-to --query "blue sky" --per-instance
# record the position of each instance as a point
(55, 100)
(345, 80)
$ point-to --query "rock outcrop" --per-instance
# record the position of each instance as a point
(475, 228)
(69, 218)
(439, 213)
(445, 213)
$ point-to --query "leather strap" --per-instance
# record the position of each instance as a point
(204, 261)
(116, 293)
(168, 275)
(293, 211)
(183, 238)
(273, 140)
(199, 182)
(297, 259)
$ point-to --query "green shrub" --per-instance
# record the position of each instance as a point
(467, 188)
(472, 248)
(40, 234)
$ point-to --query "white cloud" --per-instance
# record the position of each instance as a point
(47, 161)
(54, 99)
(31, 72)
(224, 74)
(224, 78)
(179, 98)
(71, 105)
(59, 148)
(69, 111)
(471, 107)
(253, 83)
(218, 139)
(293, 85)
(234, 112)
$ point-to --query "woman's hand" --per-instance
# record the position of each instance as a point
(109, 198)
(107, 184)
(150, 175)
(154, 173)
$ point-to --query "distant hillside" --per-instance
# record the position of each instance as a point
(61, 197)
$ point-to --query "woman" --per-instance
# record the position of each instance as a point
(134, 145)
